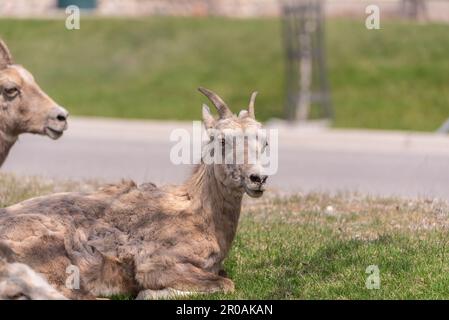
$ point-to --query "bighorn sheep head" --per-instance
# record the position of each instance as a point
(235, 144)
(24, 107)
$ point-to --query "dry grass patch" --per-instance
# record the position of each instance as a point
(353, 216)
(14, 189)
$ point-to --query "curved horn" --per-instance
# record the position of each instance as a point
(5, 55)
(251, 105)
(221, 106)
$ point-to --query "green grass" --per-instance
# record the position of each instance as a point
(294, 248)
(393, 78)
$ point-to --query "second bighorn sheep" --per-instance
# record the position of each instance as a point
(24, 107)
(154, 242)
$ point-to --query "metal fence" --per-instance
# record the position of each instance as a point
(307, 86)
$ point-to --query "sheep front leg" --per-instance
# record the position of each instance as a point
(181, 280)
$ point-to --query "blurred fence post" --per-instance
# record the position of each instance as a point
(307, 86)
(414, 9)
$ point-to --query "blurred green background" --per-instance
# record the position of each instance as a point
(393, 78)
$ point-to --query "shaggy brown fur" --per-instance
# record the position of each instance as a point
(139, 239)
(20, 282)
(24, 107)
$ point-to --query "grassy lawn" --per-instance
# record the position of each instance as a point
(296, 248)
(394, 78)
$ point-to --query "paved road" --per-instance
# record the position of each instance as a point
(378, 163)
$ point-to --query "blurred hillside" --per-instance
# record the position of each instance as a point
(395, 78)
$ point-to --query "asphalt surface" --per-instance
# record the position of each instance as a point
(310, 159)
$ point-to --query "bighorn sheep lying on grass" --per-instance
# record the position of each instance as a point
(24, 107)
(145, 240)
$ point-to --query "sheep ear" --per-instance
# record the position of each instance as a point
(208, 119)
(243, 114)
(5, 56)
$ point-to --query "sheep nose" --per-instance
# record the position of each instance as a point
(258, 178)
(61, 114)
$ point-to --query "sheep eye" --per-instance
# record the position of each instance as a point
(223, 141)
(11, 92)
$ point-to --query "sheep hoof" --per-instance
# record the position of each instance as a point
(167, 293)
